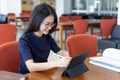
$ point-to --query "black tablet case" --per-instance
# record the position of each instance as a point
(76, 66)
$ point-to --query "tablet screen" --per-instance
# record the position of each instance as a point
(76, 65)
(76, 60)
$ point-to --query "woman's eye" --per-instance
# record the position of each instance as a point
(47, 24)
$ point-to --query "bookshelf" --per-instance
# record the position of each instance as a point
(27, 5)
(50, 2)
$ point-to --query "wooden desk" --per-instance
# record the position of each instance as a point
(94, 73)
(62, 26)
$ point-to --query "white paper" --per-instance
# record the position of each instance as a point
(105, 66)
(112, 53)
(110, 59)
(22, 78)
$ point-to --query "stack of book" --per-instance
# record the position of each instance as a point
(110, 59)
(5, 75)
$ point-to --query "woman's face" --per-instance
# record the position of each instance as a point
(47, 25)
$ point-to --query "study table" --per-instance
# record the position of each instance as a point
(94, 73)
(65, 25)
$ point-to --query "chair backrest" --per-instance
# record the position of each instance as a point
(7, 33)
(9, 56)
(11, 17)
(116, 32)
(107, 17)
(106, 26)
(77, 17)
(80, 26)
(26, 16)
(79, 43)
(64, 19)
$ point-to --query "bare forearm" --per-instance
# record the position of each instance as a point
(39, 66)
(62, 53)
(32, 66)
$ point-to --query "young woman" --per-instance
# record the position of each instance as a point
(35, 44)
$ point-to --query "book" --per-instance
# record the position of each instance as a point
(110, 59)
(6, 75)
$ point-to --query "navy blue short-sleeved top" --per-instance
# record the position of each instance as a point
(36, 48)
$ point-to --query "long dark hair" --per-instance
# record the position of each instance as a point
(38, 15)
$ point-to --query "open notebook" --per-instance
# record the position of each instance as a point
(109, 60)
(76, 66)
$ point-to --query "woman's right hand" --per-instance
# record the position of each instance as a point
(63, 61)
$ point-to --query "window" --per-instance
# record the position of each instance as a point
(80, 4)
(96, 6)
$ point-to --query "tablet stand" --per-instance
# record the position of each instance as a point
(75, 71)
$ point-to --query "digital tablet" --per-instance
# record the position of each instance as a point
(76, 66)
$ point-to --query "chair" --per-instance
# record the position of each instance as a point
(11, 18)
(9, 56)
(80, 27)
(64, 19)
(106, 26)
(79, 43)
(111, 42)
(7, 33)
(107, 17)
(24, 17)
(74, 18)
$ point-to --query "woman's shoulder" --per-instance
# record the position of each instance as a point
(48, 36)
(26, 35)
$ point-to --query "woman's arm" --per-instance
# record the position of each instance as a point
(62, 53)
(32, 66)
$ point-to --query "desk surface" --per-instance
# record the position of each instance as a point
(94, 73)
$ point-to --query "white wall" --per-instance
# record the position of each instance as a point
(3, 6)
(7, 6)
(59, 7)
(63, 6)
(67, 6)
(14, 6)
